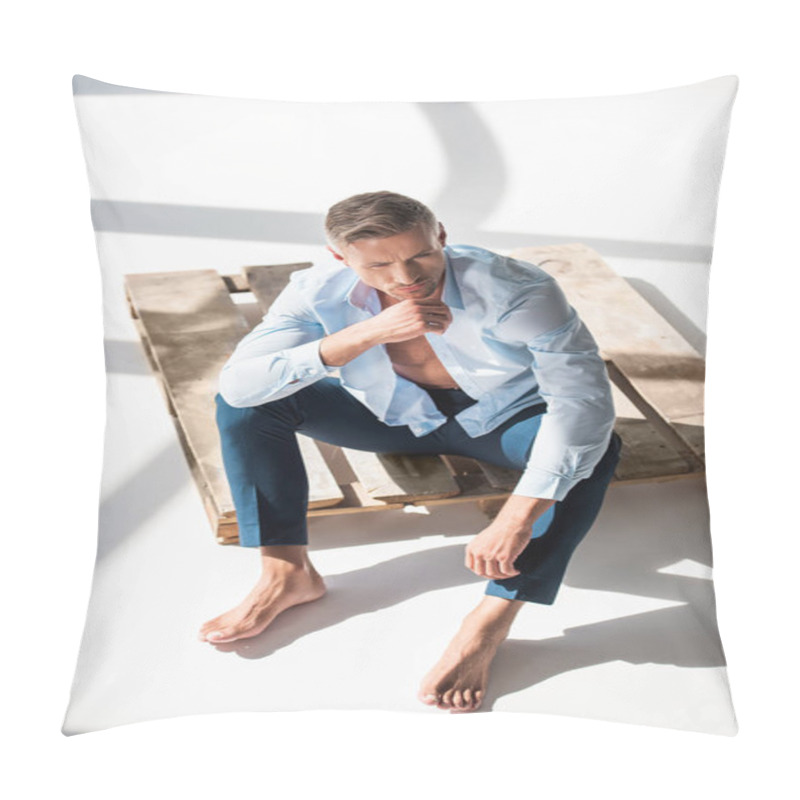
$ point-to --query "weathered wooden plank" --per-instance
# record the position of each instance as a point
(267, 282)
(323, 490)
(397, 478)
(472, 476)
(236, 284)
(356, 497)
(191, 327)
(645, 454)
(356, 500)
(635, 410)
(500, 477)
(691, 428)
(657, 361)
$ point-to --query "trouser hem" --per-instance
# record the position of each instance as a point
(544, 595)
(255, 538)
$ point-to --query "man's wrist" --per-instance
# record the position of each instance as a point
(337, 349)
(520, 511)
(367, 333)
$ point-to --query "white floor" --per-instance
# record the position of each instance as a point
(632, 636)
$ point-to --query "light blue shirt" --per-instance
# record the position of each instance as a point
(514, 342)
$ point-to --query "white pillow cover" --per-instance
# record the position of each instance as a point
(184, 182)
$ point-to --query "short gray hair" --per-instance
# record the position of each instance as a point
(375, 215)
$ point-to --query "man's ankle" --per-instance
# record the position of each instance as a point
(496, 613)
(284, 555)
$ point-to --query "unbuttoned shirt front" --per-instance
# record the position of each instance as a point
(514, 342)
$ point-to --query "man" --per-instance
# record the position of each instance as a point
(441, 349)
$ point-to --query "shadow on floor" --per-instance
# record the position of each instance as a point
(677, 636)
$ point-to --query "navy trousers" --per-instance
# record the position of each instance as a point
(270, 488)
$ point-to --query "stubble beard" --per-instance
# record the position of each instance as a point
(431, 287)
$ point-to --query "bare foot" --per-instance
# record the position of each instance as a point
(282, 584)
(459, 679)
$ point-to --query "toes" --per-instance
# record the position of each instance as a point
(454, 700)
(220, 636)
(204, 631)
(464, 702)
(206, 627)
(429, 698)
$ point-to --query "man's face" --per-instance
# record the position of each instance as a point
(408, 265)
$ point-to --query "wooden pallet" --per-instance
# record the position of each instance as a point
(189, 324)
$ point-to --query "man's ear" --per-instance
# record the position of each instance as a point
(442, 237)
(334, 253)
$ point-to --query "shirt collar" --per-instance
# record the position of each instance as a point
(359, 293)
(451, 295)
(365, 297)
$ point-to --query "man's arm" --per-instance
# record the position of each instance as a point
(397, 323)
(288, 350)
(277, 358)
(574, 432)
(573, 380)
(491, 554)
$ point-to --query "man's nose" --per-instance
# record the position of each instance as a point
(406, 276)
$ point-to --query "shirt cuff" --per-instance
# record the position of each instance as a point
(546, 485)
(307, 364)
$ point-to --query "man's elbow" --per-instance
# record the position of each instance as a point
(234, 401)
(232, 392)
(607, 410)
(600, 408)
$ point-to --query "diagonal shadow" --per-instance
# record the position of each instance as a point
(154, 484)
(125, 358)
(207, 222)
(671, 313)
(361, 591)
(296, 227)
(675, 636)
(470, 150)
(640, 532)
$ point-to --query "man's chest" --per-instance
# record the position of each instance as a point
(411, 353)
(416, 361)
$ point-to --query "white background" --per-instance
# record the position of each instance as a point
(368, 51)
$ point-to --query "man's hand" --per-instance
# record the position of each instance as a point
(405, 320)
(491, 554)
(409, 319)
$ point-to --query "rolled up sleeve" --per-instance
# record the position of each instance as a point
(572, 378)
(277, 358)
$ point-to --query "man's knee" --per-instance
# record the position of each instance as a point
(233, 419)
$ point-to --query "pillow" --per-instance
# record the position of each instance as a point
(614, 197)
